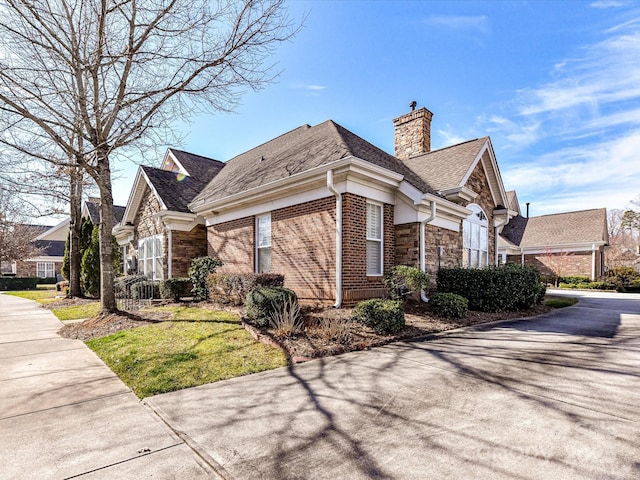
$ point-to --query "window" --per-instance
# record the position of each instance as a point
(45, 269)
(374, 239)
(7, 267)
(263, 243)
(150, 257)
(475, 239)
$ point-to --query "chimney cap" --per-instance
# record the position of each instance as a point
(413, 105)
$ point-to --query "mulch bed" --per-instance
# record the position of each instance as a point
(314, 341)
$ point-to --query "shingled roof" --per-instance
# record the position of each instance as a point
(51, 248)
(446, 168)
(585, 226)
(93, 208)
(176, 189)
(297, 151)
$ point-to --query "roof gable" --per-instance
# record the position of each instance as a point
(448, 169)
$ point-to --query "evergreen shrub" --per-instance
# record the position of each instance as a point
(384, 316)
(402, 281)
(448, 305)
(199, 270)
(494, 289)
(263, 303)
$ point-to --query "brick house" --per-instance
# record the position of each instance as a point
(334, 213)
(50, 244)
(158, 234)
(561, 244)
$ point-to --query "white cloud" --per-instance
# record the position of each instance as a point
(479, 23)
(607, 4)
(312, 87)
(448, 137)
(517, 135)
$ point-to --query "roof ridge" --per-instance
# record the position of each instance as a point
(304, 126)
(195, 155)
(568, 213)
(454, 145)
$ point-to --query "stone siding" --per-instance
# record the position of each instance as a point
(478, 183)
(413, 133)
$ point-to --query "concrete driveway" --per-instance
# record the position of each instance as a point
(553, 397)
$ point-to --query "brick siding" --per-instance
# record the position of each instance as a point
(566, 264)
(185, 246)
(233, 243)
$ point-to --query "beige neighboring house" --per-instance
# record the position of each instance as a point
(51, 242)
(561, 244)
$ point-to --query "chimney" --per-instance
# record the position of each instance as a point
(413, 132)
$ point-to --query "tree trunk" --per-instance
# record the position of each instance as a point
(107, 291)
(75, 227)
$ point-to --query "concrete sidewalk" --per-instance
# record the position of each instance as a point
(65, 414)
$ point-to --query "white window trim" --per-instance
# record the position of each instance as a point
(152, 275)
(46, 264)
(257, 240)
(379, 240)
(13, 266)
(466, 224)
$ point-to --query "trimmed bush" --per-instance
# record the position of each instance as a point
(575, 279)
(175, 288)
(402, 281)
(18, 283)
(228, 288)
(199, 270)
(494, 289)
(448, 305)
(384, 316)
(145, 290)
(263, 303)
(48, 281)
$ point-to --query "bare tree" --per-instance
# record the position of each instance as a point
(84, 79)
(16, 234)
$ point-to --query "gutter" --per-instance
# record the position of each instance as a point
(338, 196)
(423, 224)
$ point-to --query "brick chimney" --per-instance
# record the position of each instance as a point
(413, 133)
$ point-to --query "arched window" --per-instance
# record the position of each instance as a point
(476, 238)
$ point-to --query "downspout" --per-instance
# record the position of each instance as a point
(336, 193)
(496, 227)
(169, 252)
(423, 224)
(593, 262)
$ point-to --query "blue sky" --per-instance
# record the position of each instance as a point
(556, 84)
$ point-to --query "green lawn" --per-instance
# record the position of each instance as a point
(77, 312)
(197, 346)
(560, 302)
(43, 294)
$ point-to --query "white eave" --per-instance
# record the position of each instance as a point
(135, 197)
(56, 229)
(181, 221)
(494, 178)
(459, 194)
(351, 167)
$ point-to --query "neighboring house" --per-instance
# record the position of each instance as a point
(561, 244)
(619, 256)
(158, 233)
(50, 242)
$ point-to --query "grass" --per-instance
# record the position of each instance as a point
(560, 302)
(76, 312)
(197, 346)
(43, 294)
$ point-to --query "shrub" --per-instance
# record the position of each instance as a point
(48, 281)
(262, 302)
(403, 281)
(448, 305)
(334, 329)
(175, 288)
(384, 316)
(573, 279)
(285, 319)
(234, 288)
(18, 283)
(494, 289)
(145, 290)
(622, 275)
(200, 269)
